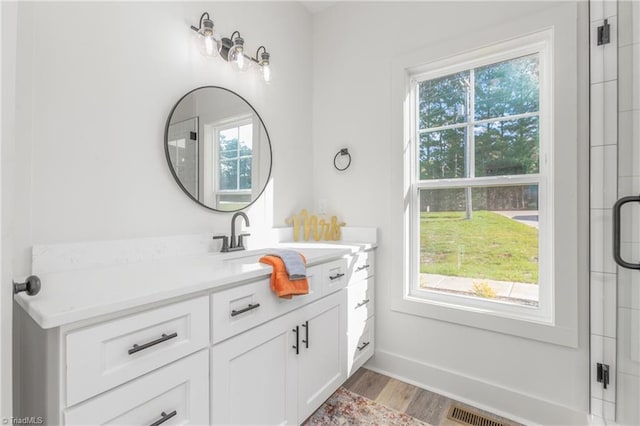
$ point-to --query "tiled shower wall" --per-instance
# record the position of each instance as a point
(628, 304)
(604, 156)
(615, 172)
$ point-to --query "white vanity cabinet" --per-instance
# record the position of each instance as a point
(360, 310)
(281, 371)
(236, 354)
(252, 381)
(125, 369)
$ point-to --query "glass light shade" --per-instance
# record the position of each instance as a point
(209, 43)
(236, 56)
(266, 72)
(265, 67)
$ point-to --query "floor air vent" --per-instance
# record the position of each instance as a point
(467, 417)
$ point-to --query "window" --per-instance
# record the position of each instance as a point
(479, 235)
(234, 162)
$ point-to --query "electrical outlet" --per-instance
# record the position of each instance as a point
(322, 206)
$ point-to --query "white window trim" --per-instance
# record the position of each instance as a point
(218, 127)
(540, 44)
(568, 222)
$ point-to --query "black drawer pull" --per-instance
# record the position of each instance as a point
(364, 302)
(336, 276)
(243, 310)
(306, 339)
(164, 417)
(364, 345)
(297, 345)
(360, 268)
(164, 338)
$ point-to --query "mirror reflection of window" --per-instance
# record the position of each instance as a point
(233, 161)
(230, 163)
(235, 147)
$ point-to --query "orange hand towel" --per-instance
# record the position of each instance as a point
(281, 285)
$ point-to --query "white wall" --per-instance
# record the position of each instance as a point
(355, 45)
(93, 95)
(8, 17)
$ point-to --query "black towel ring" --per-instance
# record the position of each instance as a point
(343, 151)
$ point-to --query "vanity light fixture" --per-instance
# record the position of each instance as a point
(236, 56)
(231, 49)
(264, 63)
(208, 40)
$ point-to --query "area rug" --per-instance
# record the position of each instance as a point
(347, 408)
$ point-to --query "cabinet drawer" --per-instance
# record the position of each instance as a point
(335, 276)
(360, 344)
(178, 393)
(105, 355)
(240, 308)
(360, 300)
(361, 266)
(314, 277)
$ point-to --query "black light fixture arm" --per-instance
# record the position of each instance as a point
(200, 22)
(257, 58)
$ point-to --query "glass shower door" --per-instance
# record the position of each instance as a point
(627, 255)
(626, 215)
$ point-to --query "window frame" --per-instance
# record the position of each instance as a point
(571, 220)
(540, 44)
(235, 122)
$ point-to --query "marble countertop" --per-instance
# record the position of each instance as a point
(70, 296)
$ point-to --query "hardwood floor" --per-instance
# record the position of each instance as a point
(414, 401)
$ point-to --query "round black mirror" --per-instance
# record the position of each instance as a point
(218, 149)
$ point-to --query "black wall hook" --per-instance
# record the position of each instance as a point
(342, 152)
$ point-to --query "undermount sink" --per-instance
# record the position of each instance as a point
(244, 256)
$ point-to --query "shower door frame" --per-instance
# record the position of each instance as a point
(613, 176)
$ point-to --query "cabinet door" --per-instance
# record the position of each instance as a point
(253, 376)
(322, 359)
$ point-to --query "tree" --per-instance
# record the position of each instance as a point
(505, 146)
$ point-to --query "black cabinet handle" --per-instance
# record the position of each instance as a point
(360, 268)
(243, 310)
(163, 338)
(364, 345)
(164, 417)
(306, 337)
(616, 232)
(297, 345)
(336, 276)
(364, 302)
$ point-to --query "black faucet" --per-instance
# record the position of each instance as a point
(239, 244)
(235, 245)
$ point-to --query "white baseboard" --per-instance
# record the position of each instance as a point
(514, 405)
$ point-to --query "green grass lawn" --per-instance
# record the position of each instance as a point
(488, 246)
